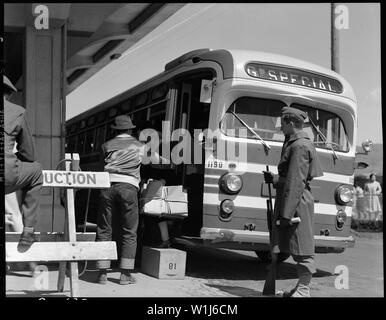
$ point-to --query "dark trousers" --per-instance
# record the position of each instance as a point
(305, 264)
(119, 202)
(28, 177)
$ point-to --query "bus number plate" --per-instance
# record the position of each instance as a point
(215, 164)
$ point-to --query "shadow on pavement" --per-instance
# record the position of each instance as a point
(113, 280)
(89, 276)
(321, 273)
(16, 274)
(237, 291)
(92, 275)
(33, 293)
(211, 263)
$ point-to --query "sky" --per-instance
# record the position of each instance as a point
(298, 30)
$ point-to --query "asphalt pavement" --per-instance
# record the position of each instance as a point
(357, 272)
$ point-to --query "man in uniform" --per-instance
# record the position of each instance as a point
(298, 165)
(22, 172)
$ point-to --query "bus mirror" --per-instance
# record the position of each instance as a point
(361, 165)
(206, 91)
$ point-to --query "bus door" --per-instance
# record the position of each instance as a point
(192, 115)
(183, 113)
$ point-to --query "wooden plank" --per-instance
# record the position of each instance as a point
(62, 251)
(61, 276)
(70, 230)
(74, 279)
(75, 179)
(75, 162)
(63, 264)
(70, 226)
(51, 236)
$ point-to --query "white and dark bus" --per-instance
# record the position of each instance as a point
(227, 91)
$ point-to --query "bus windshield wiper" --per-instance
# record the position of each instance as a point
(266, 145)
(328, 143)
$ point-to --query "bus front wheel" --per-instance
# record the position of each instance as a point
(265, 256)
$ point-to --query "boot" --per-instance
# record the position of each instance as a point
(102, 276)
(287, 294)
(27, 238)
(126, 277)
(303, 287)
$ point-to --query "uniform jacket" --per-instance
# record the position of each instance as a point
(16, 130)
(298, 165)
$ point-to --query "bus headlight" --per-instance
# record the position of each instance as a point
(226, 209)
(344, 194)
(231, 183)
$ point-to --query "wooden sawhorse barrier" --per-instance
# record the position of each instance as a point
(72, 246)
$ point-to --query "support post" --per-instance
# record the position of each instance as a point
(44, 90)
(334, 41)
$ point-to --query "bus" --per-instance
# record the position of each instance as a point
(227, 91)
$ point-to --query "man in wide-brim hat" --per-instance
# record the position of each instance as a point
(22, 172)
(124, 123)
(122, 156)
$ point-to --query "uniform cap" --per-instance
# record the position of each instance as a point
(298, 114)
(123, 122)
(8, 83)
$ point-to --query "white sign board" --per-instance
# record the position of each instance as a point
(75, 179)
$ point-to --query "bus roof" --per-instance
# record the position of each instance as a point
(233, 62)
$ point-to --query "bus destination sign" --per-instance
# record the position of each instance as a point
(293, 76)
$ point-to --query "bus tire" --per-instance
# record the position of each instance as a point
(265, 256)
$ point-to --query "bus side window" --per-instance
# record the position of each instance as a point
(80, 144)
(139, 116)
(70, 144)
(89, 144)
(157, 115)
(126, 106)
(100, 137)
(109, 131)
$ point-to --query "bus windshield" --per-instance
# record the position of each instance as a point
(263, 116)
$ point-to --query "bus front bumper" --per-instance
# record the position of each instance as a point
(217, 235)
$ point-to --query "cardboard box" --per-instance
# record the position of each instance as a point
(163, 263)
(168, 201)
